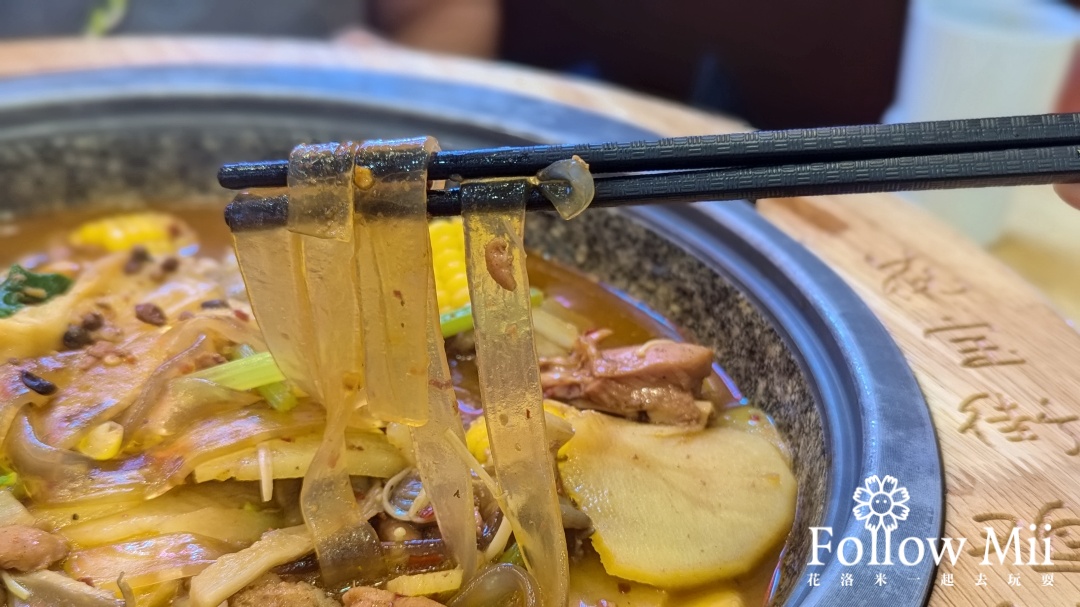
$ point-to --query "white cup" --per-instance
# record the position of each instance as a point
(975, 59)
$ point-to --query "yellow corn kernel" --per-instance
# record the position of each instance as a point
(448, 258)
(158, 232)
(476, 437)
(103, 441)
(559, 409)
(461, 295)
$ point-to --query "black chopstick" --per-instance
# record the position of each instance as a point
(1026, 166)
(738, 150)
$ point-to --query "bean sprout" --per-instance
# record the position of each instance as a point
(498, 543)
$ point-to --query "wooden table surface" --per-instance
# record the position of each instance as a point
(996, 360)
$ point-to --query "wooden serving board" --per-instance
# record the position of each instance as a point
(998, 365)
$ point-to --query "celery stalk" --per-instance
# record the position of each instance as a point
(277, 394)
(461, 320)
(512, 555)
(253, 371)
(244, 373)
(257, 370)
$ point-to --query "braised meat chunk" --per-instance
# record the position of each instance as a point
(658, 381)
(271, 591)
(25, 548)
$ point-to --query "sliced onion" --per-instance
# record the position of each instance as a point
(54, 476)
(146, 562)
(49, 589)
(57, 368)
(103, 393)
(15, 588)
(172, 462)
(232, 572)
(575, 194)
(181, 500)
(12, 512)
(400, 493)
(502, 585)
(166, 403)
(184, 401)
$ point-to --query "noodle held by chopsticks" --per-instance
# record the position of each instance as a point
(321, 207)
(271, 261)
(510, 388)
(398, 293)
(392, 241)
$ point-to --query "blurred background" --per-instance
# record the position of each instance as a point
(772, 63)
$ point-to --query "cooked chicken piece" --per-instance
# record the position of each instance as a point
(365, 596)
(271, 591)
(500, 263)
(25, 548)
(656, 382)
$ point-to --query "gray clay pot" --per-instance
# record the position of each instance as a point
(797, 341)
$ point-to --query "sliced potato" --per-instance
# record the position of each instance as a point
(591, 585)
(185, 498)
(366, 454)
(723, 597)
(676, 508)
(238, 527)
(754, 421)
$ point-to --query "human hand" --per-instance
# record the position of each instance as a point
(1069, 192)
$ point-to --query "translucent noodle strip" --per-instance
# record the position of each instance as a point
(394, 268)
(335, 320)
(272, 265)
(401, 323)
(445, 476)
(320, 206)
(320, 190)
(272, 260)
(346, 544)
(510, 387)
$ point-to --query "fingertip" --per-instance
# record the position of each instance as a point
(1069, 192)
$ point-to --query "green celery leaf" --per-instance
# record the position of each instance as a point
(14, 294)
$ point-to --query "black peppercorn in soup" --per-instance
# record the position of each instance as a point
(164, 443)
